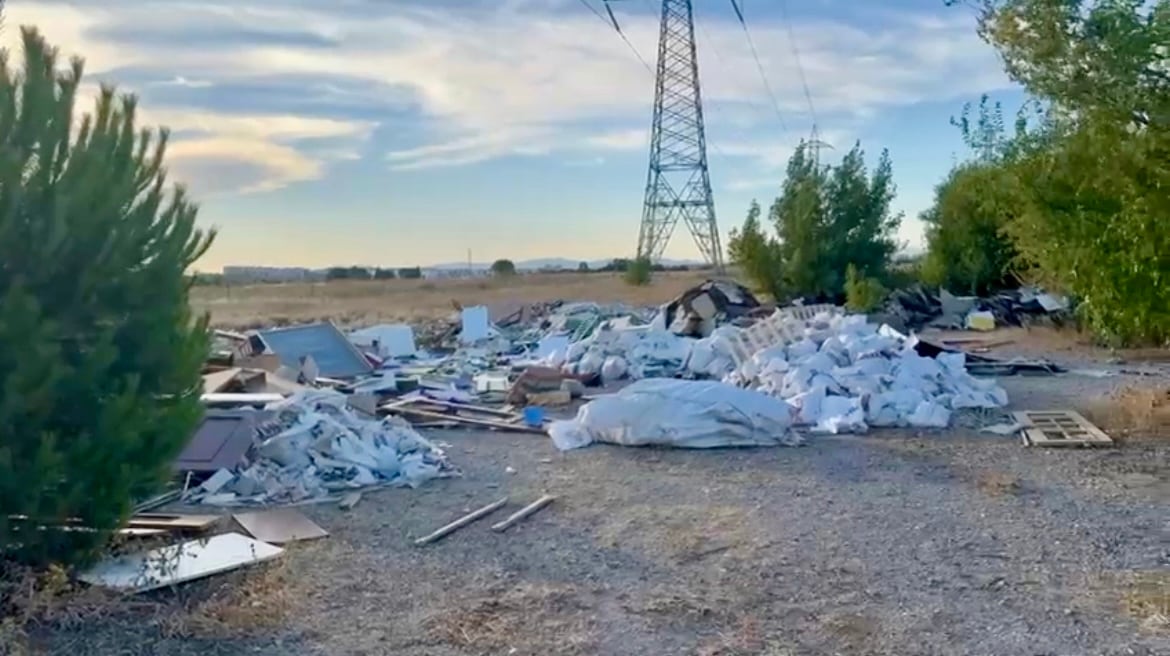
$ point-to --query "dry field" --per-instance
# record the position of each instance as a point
(369, 302)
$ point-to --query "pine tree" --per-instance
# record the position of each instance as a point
(100, 353)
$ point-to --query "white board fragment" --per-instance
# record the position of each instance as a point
(179, 563)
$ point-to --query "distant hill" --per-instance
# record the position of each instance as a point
(547, 263)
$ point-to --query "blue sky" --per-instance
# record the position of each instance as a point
(400, 132)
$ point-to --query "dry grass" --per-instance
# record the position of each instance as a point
(1147, 599)
(1133, 413)
(526, 619)
(997, 484)
(234, 604)
(745, 638)
(682, 534)
(369, 302)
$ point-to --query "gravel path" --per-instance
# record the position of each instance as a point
(894, 544)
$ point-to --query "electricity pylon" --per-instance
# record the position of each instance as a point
(678, 185)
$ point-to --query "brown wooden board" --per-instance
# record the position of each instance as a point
(220, 442)
(279, 526)
(1060, 428)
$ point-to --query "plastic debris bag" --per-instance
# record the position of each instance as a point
(679, 413)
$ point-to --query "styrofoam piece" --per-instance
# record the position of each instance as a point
(180, 563)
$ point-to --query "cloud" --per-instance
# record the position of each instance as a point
(452, 84)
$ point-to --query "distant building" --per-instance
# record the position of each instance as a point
(261, 274)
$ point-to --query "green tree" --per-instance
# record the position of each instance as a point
(826, 218)
(757, 255)
(968, 250)
(503, 268)
(1093, 218)
(583, 267)
(384, 274)
(100, 352)
(410, 273)
(862, 294)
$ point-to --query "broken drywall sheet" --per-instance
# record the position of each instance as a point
(386, 340)
(477, 325)
(333, 354)
(180, 563)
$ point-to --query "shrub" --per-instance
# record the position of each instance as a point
(862, 294)
(967, 249)
(503, 268)
(99, 350)
(638, 272)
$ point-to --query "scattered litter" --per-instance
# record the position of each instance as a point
(919, 307)
(679, 413)
(461, 522)
(279, 526)
(180, 563)
(843, 375)
(315, 445)
(350, 500)
(1002, 429)
(523, 513)
(1060, 428)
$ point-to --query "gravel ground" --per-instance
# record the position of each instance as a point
(894, 543)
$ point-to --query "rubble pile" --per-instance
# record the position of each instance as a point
(844, 375)
(315, 445)
(917, 307)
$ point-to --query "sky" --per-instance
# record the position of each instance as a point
(408, 132)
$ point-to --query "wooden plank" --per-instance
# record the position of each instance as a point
(221, 380)
(526, 511)
(1060, 428)
(279, 525)
(461, 522)
(173, 522)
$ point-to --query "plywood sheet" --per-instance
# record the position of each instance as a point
(280, 526)
(180, 563)
(220, 442)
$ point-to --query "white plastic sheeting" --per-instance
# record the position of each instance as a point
(318, 445)
(846, 375)
(679, 413)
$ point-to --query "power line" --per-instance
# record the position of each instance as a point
(612, 22)
(759, 65)
(799, 66)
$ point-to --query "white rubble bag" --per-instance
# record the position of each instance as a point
(680, 413)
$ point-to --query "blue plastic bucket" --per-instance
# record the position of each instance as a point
(534, 416)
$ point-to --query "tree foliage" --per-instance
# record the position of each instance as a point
(968, 250)
(638, 272)
(503, 268)
(826, 219)
(100, 353)
(1091, 180)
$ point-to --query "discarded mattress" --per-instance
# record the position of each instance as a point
(679, 413)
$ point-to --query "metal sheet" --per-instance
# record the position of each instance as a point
(220, 442)
(335, 356)
(179, 563)
(280, 526)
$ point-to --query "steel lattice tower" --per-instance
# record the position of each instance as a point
(678, 184)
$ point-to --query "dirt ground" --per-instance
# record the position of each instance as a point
(894, 543)
(369, 302)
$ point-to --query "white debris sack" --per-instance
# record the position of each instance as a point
(843, 375)
(679, 413)
(317, 446)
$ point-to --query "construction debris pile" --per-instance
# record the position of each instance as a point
(841, 374)
(917, 307)
(314, 445)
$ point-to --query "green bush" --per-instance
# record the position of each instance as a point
(757, 256)
(503, 268)
(638, 272)
(967, 249)
(100, 354)
(1097, 227)
(862, 294)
